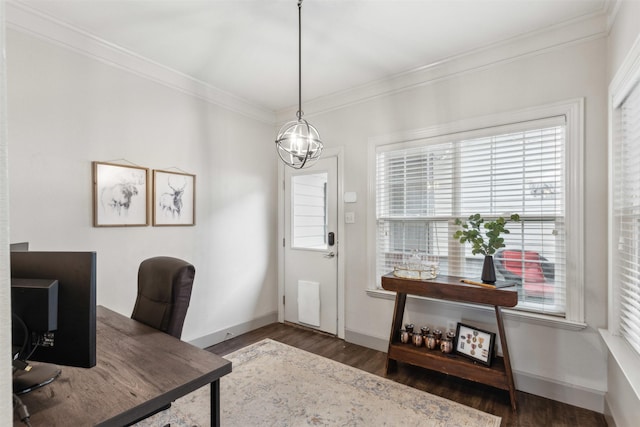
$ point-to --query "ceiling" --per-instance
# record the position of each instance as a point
(249, 47)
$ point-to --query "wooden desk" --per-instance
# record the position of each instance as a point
(449, 288)
(139, 369)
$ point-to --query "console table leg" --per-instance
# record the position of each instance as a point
(215, 403)
(507, 360)
(396, 325)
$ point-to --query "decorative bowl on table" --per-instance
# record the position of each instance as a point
(418, 268)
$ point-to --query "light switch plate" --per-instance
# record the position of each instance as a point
(349, 217)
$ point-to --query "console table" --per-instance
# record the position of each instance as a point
(139, 370)
(450, 288)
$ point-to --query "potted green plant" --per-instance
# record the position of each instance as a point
(486, 243)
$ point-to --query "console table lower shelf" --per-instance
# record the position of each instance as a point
(450, 364)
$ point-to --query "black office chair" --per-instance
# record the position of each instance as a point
(164, 292)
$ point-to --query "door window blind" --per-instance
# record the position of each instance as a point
(626, 212)
(309, 211)
(421, 187)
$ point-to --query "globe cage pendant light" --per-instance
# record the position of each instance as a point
(298, 142)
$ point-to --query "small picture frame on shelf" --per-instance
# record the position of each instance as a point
(475, 343)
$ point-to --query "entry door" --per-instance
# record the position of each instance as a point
(311, 243)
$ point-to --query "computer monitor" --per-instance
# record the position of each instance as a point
(75, 335)
(34, 314)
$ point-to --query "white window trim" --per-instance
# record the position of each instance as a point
(573, 110)
(625, 78)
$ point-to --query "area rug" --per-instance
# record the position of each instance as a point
(273, 384)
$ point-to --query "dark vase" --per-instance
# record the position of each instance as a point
(488, 270)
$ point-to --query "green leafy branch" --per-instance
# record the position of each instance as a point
(472, 232)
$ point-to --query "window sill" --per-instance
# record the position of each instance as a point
(528, 317)
(626, 358)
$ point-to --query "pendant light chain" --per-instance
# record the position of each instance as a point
(299, 60)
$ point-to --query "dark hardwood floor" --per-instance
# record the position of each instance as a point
(532, 410)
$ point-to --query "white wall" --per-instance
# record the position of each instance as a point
(622, 400)
(624, 31)
(547, 360)
(5, 290)
(67, 110)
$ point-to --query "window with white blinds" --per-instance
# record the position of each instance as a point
(422, 186)
(626, 218)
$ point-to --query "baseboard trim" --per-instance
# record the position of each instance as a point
(582, 397)
(232, 331)
(571, 394)
(608, 414)
(380, 344)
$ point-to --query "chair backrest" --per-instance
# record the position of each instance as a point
(164, 292)
(527, 265)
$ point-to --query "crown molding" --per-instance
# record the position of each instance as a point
(580, 30)
(28, 20)
(25, 19)
(611, 8)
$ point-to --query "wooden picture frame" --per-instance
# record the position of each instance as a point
(174, 198)
(120, 195)
(475, 343)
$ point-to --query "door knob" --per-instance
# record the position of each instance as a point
(329, 255)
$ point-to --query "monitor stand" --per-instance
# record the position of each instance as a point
(40, 374)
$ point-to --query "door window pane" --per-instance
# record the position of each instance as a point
(309, 205)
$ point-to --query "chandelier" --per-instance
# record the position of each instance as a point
(298, 142)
